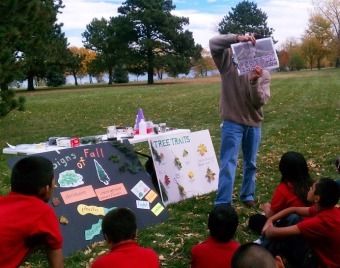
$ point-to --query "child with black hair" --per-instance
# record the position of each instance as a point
(217, 250)
(120, 230)
(252, 255)
(293, 187)
(291, 191)
(318, 234)
(27, 222)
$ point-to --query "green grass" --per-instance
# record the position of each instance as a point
(302, 115)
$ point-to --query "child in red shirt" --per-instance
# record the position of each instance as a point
(120, 230)
(218, 249)
(291, 191)
(293, 187)
(26, 220)
(319, 233)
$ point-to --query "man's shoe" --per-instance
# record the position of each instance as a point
(249, 204)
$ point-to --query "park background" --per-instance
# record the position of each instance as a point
(302, 115)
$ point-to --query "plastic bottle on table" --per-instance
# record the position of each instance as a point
(142, 127)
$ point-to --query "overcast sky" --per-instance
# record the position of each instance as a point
(288, 18)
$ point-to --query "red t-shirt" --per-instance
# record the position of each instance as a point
(128, 254)
(26, 222)
(212, 253)
(285, 197)
(322, 232)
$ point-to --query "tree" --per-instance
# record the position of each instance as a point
(108, 38)
(16, 17)
(296, 61)
(246, 18)
(159, 34)
(320, 29)
(120, 74)
(310, 47)
(89, 57)
(44, 47)
(330, 9)
(284, 60)
(204, 64)
(77, 63)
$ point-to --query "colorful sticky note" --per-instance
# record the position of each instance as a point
(151, 196)
(140, 189)
(142, 204)
(157, 209)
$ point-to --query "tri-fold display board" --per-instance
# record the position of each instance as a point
(185, 165)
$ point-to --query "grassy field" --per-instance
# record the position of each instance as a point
(302, 115)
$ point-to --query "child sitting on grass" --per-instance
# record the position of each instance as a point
(291, 191)
(26, 220)
(317, 235)
(120, 230)
(218, 249)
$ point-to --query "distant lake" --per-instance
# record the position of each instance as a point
(132, 78)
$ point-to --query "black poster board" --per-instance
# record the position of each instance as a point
(91, 180)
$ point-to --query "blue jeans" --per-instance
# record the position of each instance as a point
(233, 135)
(294, 249)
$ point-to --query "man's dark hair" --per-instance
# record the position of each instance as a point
(222, 223)
(329, 192)
(31, 174)
(252, 255)
(119, 225)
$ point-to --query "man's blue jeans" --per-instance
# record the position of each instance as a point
(233, 135)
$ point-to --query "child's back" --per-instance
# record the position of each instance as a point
(218, 249)
(26, 220)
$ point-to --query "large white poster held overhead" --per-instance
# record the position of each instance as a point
(185, 165)
(246, 55)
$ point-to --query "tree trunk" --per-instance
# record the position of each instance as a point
(319, 63)
(3, 86)
(75, 80)
(150, 75)
(30, 82)
(150, 66)
(110, 76)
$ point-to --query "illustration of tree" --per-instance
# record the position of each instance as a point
(101, 173)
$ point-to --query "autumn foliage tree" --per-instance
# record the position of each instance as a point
(204, 64)
(330, 10)
(319, 28)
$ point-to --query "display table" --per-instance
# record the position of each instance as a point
(27, 149)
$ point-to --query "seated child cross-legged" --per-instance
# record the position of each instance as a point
(120, 230)
(317, 235)
(291, 191)
(218, 249)
(27, 222)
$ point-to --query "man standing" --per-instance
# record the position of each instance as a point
(241, 101)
